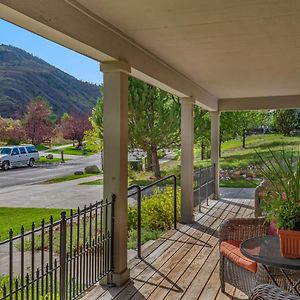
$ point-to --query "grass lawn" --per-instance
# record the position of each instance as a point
(240, 183)
(41, 147)
(94, 182)
(73, 151)
(14, 217)
(67, 178)
(233, 157)
(141, 182)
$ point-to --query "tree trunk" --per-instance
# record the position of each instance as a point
(155, 162)
(208, 152)
(244, 138)
(202, 150)
(148, 161)
(220, 148)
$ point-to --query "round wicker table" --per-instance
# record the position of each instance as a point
(265, 250)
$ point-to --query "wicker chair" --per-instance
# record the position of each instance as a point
(241, 229)
(268, 291)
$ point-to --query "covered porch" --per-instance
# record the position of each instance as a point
(221, 56)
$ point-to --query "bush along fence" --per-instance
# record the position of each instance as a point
(167, 208)
(204, 184)
(62, 259)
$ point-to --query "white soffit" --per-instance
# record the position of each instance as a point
(232, 48)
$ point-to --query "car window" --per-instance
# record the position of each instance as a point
(31, 149)
(5, 150)
(15, 151)
(22, 150)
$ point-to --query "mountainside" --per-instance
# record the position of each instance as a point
(23, 77)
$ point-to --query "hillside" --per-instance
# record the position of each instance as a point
(23, 77)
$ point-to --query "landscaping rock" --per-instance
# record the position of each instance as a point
(49, 156)
(78, 173)
(92, 169)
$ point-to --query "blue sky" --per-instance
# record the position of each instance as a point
(67, 60)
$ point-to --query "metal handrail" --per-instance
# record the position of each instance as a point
(139, 191)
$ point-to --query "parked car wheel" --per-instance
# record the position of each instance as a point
(5, 165)
(31, 162)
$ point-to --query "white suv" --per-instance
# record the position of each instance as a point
(13, 156)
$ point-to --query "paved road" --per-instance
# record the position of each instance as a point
(67, 194)
(21, 176)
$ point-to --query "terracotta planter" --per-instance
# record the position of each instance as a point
(289, 243)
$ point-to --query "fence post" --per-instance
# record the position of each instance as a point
(63, 262)
(139, 223)
(175, 201)
(113, 200)
(214, 178)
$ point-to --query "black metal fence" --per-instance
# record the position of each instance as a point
(139, 192)
(62, 259)
(204, 184)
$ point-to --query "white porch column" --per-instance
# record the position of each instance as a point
(187, 159)
(115, 136)
(215, 144)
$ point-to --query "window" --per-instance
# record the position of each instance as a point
(5, 150)
(15, 151)
(31, 149)
(22, 150)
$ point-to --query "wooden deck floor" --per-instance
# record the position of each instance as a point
(183, 264)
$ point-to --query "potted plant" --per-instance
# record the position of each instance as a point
(281, 203)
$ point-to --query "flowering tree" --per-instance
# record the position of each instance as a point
(74, 127)
(11, 131)
(37, 124)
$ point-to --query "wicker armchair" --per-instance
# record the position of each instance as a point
(241, 229)
(268, 291)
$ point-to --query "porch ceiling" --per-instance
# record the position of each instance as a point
(231, 48)
(238, 51)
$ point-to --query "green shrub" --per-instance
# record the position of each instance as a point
(157, 209)
(132, 217)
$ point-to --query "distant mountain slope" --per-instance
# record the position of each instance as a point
(23, 77)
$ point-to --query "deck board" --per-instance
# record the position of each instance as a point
(183, 263)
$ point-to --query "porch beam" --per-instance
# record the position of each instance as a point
(115, 136)
(215, 149)
(259, 103)
(187, 159)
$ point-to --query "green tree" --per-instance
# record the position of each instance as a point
(285, 121)
(202, 129)
(247, 121)
(239, 124)
(153, 120)
(94, 136)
